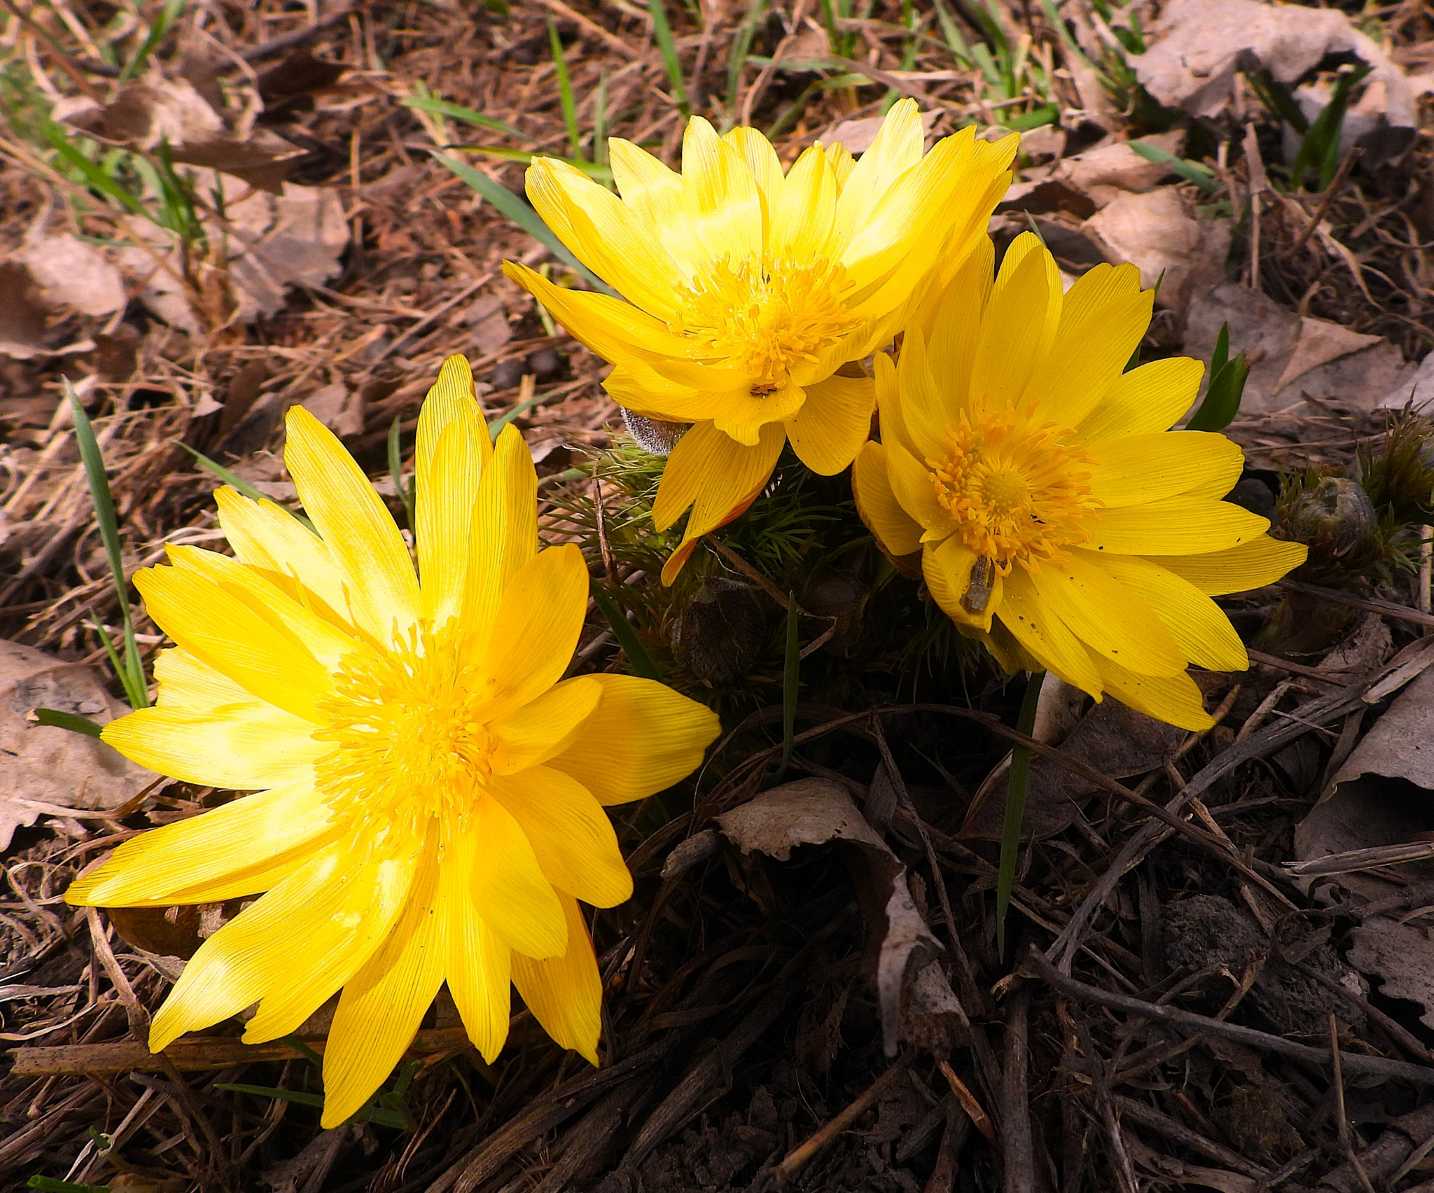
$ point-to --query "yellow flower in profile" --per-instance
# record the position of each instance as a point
(747, 289)
(1057, 516)
(430, 791)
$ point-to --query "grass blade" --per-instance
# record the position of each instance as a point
(131, 667)
(565, 91)
(1201, 176)
(369, 1114)
(1017, 783)
(157, 32)
(1319, 150)
(60, 719)
(662, 31)
(395, 470)
(791, 681)
(639, 662)
(435, 106)
(239, 484)
(518, 211)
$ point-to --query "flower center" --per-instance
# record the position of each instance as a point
(1017, 488)
(409, 742)
(766, 318)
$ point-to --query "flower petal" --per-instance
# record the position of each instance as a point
(1174, 699)
(643, 738)
(951, 324)
(228, 634)
(1019, 324)
(385, 1001)
(376, 896)
(833, 423)
(452, 450)
(911, 483)
(1194, 621)
(604, 233)
(358, 529)
(1142, 468)
(724, 208)
(892, 526)
(951, 570)
(1101, 614)
(504, 535)
(265, 535)
(536, 629)
(716, 476)
(1103, 319)
(1045, 636)
(281, 823)
(509, 888)
(254, 951)
(1250, 565)
(545, 725)
(565, 993)
(1149, 398)
(570, 834)
(244, 748)
(478, 968)
(803, 212)
(1174, 526)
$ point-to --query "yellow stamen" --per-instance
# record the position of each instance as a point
(411, 742)
(1018, 488)
(766, 318)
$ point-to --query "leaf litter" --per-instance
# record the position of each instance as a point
(748, 1014)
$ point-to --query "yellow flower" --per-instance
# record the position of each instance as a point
(748, 289)
(1057, 516)
(429, 790)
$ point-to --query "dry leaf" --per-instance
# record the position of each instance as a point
(1198, 46)
(912, 990)
(1416, 389)
(73, 275)
(1293, 358)
(1155, 231)
(339, 407)
(48, 770)
(172, 112)
(1400, 957)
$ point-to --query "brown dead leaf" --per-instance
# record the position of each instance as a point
(1198, 46)
(271, 242)
(1157, 232)
(488, 319)
(1400, 957)
(1293, 358)
(912, 989)
(171, 111)
(50, 771)
(339, 407)
(72, 275)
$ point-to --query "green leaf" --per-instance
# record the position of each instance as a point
(167, 16)
(1225, 389)
(60, 719)
(395, 470)
(1318, 153)
(518, 211)
(131, 668)
(662, 32)
(791, 681)
(565, 91)
(639, 662)
(596, 171)
(372, 1113)
(1201, 176)
(48, 1184)
(240, 484)
(442, 107)
(1017, 783)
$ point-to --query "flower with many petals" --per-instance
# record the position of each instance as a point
(429, 791)
(1056, 514)
(745, 289)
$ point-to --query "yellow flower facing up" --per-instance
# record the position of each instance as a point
(746, 289)
(429, 790)
(1056, 514)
